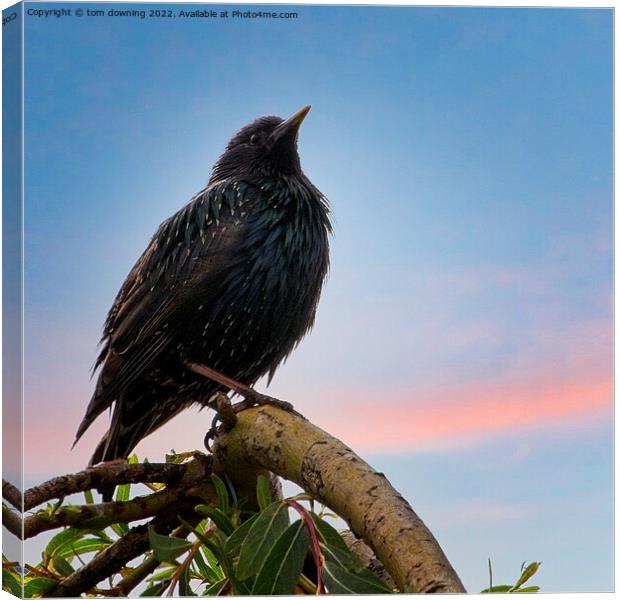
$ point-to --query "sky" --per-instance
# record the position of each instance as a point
(463, 343)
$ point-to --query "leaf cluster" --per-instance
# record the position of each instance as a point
(283, 548)
(264, 553)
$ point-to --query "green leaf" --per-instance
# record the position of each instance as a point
(263, 492)
(334, 547)
(221, 490)
(11, 582)
(218, 516)
(120, 529)
(84, 546)
(213, 562)
(527, 590)
(347, 561)
(184, 587)
(268, 527)
(177, 458)
(122, 492)
(328, 535)
(240, 588)
(341, 581)
(204, 569)
(343, 558)
(156, 589)
(215, 588)
(165, 574)
(88, 497)
(335, 550)
(165, 548)
(282, 567)
(60, 541)
(233, 543)
(212, 545)
(38, 586)
(497, 589)
(62, 566)
(527, 574)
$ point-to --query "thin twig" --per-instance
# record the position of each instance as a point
(314, 542)
(176, 576)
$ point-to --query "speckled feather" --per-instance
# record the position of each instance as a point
(232, 280)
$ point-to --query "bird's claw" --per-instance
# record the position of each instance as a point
(263, 399)
(251, 399)
(210, 435)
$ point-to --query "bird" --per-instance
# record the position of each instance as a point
(232, 280)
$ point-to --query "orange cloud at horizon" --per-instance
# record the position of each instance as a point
(429, 421)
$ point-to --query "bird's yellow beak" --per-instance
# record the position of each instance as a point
(291, 125)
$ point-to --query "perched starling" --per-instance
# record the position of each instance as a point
(232, 281)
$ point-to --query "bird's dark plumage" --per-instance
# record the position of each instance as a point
(232, 280)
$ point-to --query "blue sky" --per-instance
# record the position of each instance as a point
(467, 154)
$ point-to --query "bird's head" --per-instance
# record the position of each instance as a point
(267, 147)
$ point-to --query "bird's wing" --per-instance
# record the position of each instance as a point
(191, 248)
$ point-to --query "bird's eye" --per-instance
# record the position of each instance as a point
(254, 139)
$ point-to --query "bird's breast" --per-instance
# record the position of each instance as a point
(272, 288)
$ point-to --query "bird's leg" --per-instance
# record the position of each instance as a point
(224, 413)
(251, 397)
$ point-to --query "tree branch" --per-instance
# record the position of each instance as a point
(102, 515)
(367, 557)
(106, 474)
(112, 559)
(331, 472)
(11, 494)
(12, 521)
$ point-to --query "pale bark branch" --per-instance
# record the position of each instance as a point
(331, 472)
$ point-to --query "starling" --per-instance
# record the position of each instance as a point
(232, 281)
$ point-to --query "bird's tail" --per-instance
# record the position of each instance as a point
(129, 426)
(117, 443)
(122, 436)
